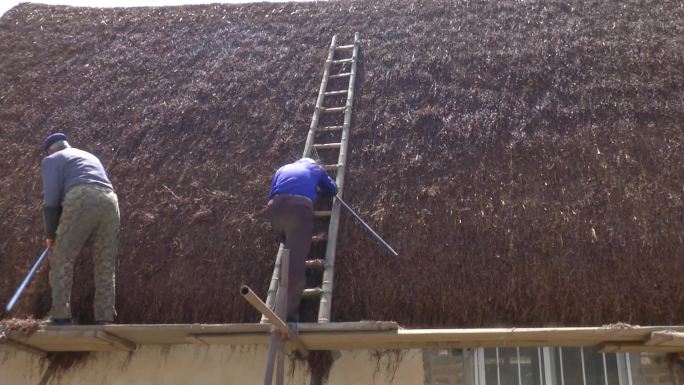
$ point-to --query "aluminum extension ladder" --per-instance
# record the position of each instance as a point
(332, 64)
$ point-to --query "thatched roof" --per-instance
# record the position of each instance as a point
(525, 158)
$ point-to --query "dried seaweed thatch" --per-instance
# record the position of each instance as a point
(525, 158)
(19, 325)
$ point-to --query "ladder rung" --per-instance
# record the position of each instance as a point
(313, 292)
(338, 76)
(331, 167)
(333, 109)
(335, 93)
(344, 47)
(342, 61)
(315, 263)
(327, 146)
(329, 129)
(322, 214)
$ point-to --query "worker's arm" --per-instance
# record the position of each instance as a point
(51, 217)
(326, 184)
(52, 193)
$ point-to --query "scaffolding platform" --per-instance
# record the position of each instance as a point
(345, 336)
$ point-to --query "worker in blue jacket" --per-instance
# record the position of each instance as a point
(290, 211)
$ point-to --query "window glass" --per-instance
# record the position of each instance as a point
(545, 366)
(569, 366)
(491, 366)
(593, 367)
(469, 366)
(530, 371)
(655, 369)
(611, 369)
(508, 366)
(635, 366)
(443, 366)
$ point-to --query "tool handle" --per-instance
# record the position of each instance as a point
(23, 285)
(378, 237)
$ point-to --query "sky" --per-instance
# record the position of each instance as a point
(5, 5)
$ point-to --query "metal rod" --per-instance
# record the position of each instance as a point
(278, 323)
(367, 226)
(23, 285)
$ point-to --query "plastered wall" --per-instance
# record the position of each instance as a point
(207, 365)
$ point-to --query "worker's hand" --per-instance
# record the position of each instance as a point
(51, 217)
(49, 242)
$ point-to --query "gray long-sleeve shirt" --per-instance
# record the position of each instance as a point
(68, 168)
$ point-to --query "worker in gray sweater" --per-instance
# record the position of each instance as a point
(80, 204)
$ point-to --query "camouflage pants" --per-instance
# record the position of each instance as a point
(89, 212)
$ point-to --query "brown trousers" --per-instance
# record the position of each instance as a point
(292, 216)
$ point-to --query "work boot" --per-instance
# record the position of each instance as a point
(58, 321)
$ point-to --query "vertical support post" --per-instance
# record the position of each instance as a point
(276, 344)
(319, 101)
(273, 347)
(325, 306)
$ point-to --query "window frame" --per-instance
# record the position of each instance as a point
(550, 366)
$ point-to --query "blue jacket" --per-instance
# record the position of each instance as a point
(302, 178)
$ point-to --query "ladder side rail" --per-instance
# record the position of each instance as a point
(319, 101)
(325, 305)
(273, 286)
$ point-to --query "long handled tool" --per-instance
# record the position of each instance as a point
(17, 294)
(346, 206)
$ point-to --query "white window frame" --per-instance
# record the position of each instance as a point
(624, 369)
(548, 367)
